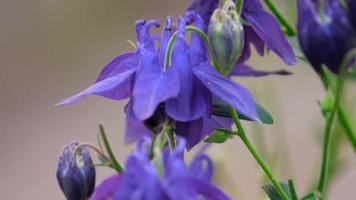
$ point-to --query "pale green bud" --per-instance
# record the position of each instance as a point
(226, 36)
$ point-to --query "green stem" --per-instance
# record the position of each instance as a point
(342, 114)
(239, 4)
(170, 134)
(253, 151)
(114, 162)
(290, 30)
(329, 122)
(292, 190)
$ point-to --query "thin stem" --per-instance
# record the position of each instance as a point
(292, 190)
(329, 122)
(290, 30)
(115, 163)
(342, 114)
(90, 146)
(253, 151)
(239, 4)
(171, 139)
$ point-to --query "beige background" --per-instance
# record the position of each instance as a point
(52, 49)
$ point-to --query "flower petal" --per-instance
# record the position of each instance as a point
(152, 87)
(116, 87)
(135, 129)
(205, 9)
(192, 131)
(202, 167)
(246, 70)
(191, 102)
(267, 28)
(107, 188)
(208, 190)
(118, 62)
(234, 94)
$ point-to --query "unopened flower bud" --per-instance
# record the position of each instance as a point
(325, 37)
(226, 36)
(76, 174)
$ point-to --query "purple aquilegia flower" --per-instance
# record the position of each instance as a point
(263, 31)
(185, 88)
(76, 178)
(171, 180)
(324, 39)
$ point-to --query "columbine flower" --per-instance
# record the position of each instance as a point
(262, 32)
(324, 38)
(76, 178)
(185, 88)
(175, 181)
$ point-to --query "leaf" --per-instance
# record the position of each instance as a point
(221, 109)
(272, 192)
(219, 136)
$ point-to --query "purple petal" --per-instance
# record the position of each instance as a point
(192, 131)
(116, 87)
(107, 188)
(152, 87)
(246, 70)
(267, 28)
(140, 181)
(118, 62)
(202, 167)
(143, 35)
(205, 9)
(208, 190)
(191, 102)
(135, 129)
(232, 93)
(214, 122)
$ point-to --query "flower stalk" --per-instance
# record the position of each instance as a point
(266, 169)
(329, 122)
(289, 29)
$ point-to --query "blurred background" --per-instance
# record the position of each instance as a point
(51, 49)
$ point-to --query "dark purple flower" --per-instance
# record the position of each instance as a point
(142, 180)
(352, 12)
(76, 178)
(264, 30)
(324, 39)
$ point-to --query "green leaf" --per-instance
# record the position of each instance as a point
(221, 109)
(272, 192)
(219, 136)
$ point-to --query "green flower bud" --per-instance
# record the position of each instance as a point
(226, 36)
